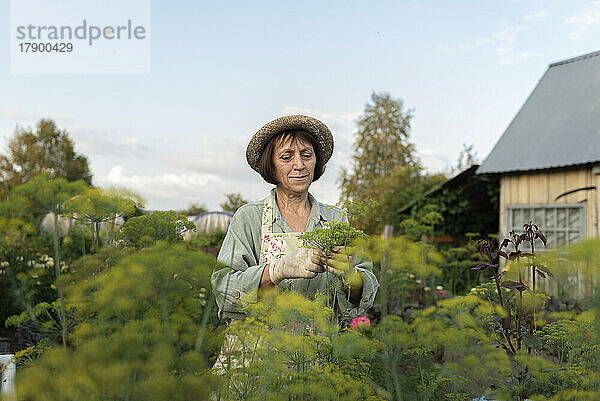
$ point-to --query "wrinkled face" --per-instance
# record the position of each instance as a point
(294, 163)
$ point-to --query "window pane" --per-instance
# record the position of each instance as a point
(561, 218)
(522, 217)
(573, 237)
(516, 218)
(550, 238)
(560, 225)
(538, 217)
(574, 217)
(550, 218)
(527, 216)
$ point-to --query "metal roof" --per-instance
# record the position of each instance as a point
(559, 124)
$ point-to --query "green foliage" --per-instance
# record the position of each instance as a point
(381, 149)
(287, 349)
(45, 150)
(560, 338)
(99, 205)
(402, 187)
(14, 232)
(33, 200)
(381, 142)
(143, 231)
(422, 223)
(90, 266)
(77, 243)
(96, 205)
(408, 268)
(209, 241)
(138, 323)
(26, 279)
(233, 202)
(193, 209)
(466, 158)
(443, 353)
(43, 318)
(471, 206)
(458, 261)
(358, 208)
(333, 234)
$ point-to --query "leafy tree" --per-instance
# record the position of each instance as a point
(471, 206)
(381, 142)
(466, 159)
(142, 231)
(45, 150)
(233, 202)
(97, 205)
(400, 188)
(381, 147)
(423, 222)
(193, 209)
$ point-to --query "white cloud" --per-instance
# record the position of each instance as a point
(166, 189)
(97, 141)
(224, 159)
(583, 21)
(503, 42)
(536, 15)
(201, 170)
(17, 114)
(89, 140)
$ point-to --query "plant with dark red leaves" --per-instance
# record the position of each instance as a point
(510, 250)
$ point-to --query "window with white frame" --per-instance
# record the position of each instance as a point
(561, 224)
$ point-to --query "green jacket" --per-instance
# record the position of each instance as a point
(237, 284)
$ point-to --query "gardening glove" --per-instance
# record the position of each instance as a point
(302, 263)
(342, 264)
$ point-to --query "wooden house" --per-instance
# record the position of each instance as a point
(548, 159)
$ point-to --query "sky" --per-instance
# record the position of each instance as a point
(220, 70)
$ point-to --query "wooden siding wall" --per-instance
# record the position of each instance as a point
(545, 187)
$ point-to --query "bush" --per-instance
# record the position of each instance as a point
(138, 324)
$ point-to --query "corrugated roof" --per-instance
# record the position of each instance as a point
(559, 124)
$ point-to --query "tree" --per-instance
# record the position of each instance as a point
(403, 186)
(381, 146)
(47, 149)
(466, 158)
(194, 209)
(234, 202)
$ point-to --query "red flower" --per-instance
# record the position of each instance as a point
(360, 322)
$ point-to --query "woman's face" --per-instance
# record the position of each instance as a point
(294, 163)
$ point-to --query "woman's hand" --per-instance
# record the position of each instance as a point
(341, 264)
(302, 263)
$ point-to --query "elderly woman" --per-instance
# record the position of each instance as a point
(262, 245)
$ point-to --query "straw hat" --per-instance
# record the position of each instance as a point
(311, 125)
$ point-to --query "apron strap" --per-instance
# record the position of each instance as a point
(267, 215)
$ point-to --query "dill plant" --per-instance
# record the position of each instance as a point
(336, 234)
